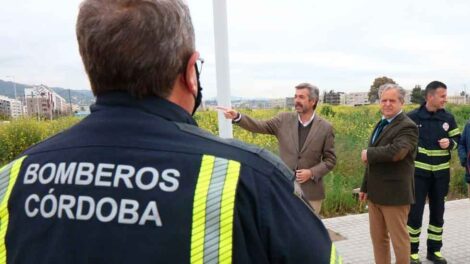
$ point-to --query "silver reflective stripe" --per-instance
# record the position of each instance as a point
(213, 211)
(5, 180)
(8, 174)
(211, 241)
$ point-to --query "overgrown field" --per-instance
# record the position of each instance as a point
(352, 125)
(18, 135)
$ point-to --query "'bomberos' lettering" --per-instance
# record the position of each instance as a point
(102, 175)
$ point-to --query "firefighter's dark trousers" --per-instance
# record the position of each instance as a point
(436, 190)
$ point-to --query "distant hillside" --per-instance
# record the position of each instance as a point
(80, 97)
(6, 89)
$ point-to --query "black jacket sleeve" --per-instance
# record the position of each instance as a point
(276, 225)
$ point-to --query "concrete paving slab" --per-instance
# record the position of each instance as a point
(356, 248)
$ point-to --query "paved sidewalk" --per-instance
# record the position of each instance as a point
(357, 247)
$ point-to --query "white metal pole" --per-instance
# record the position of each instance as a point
(222, 64)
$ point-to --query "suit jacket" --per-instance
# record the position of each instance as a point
(389, 176)
(317, 153)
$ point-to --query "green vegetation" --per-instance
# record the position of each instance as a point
(352, 125)
(18, 135)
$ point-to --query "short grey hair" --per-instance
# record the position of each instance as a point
(313, 91)
(136, 46)
(389, 86)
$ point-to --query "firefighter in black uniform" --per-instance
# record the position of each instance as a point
(438, 135)
(137, 181)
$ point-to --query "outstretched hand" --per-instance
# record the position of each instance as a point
(229, 113)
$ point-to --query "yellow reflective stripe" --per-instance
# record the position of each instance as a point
(213, 211)
(433, 153)
(335, 258)
(454, 132)
(455, 145)
(413, 231)
(414, 239)
(227, 211)
(435, 229)
(4, 214)
(430, 167)
(199, 209)
(333, 254)
(435, 237)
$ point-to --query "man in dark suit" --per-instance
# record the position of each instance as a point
(388, 182)
(306, 141)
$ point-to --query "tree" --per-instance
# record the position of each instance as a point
(417, 95)
(374, 89)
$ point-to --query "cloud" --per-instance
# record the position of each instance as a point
(274, 44)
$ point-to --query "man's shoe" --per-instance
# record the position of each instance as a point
(414, 259)
(436, 258)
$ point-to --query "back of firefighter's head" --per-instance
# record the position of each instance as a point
(143, 47)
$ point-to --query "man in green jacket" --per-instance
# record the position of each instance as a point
(388, 183)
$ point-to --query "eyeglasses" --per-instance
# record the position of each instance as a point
(198, 65)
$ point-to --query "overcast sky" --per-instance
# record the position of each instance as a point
(274, 44)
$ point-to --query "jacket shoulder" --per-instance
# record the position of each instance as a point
(285, 115)
(408, 121)
(234, 149)
(447, 115)
(325, 123)
(467, 127)
(413, 113)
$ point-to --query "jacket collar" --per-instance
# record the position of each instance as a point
(294, 123)
(152, 105)
(425, 114)
(308, 122)
(312, 133)
(396, 120)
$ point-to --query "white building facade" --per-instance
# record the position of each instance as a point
(42, 101)
(458, 99)
(359, 98)
(10, 108)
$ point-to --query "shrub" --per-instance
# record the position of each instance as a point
(20, 134)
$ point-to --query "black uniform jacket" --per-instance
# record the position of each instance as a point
(432, 160)
(138, 182)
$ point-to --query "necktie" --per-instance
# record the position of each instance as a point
(379, 129)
